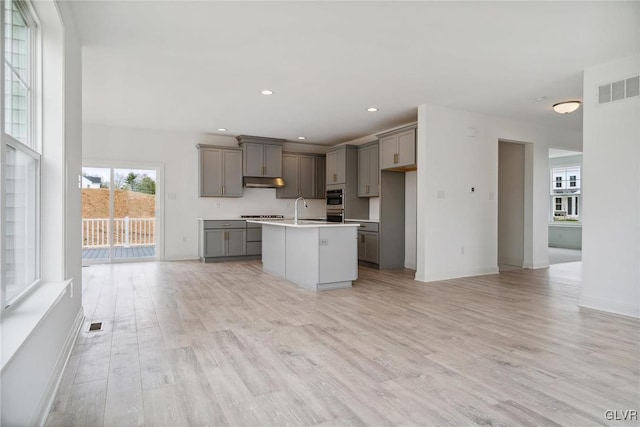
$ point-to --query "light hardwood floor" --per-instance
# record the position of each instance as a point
(191, 344)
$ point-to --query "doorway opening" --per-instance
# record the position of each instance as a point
(511, 205)
(565, 206)
(119, 214)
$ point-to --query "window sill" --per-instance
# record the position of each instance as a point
(19, 322)
(556, 224)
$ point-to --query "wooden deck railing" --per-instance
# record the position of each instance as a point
(126, 232)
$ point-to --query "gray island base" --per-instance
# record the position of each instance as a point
(314, 255)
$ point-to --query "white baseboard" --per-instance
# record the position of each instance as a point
(186, 258)
(535, 264)
(40, 417)
(447, 275)
(609, 306)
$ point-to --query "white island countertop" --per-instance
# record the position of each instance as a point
(316, 255)
(306, 223)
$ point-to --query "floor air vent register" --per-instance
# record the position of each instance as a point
(95, 327)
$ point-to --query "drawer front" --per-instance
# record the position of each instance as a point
(225, 224)
(254, 248)
(254, 225)
(254, 234)
(369, 226)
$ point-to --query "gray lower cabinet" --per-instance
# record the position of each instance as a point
(220, 171)
(234, 239)
(254, 239)
(368, 246)
(368, 241)
(223, 243)
(214, 243)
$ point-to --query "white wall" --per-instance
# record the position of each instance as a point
(457, 230)
(30, 377)
(611, 241)
(177, 152)
(511, 190)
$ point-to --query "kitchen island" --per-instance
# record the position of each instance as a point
(316, 255)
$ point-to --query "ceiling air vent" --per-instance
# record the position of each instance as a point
(619, 90)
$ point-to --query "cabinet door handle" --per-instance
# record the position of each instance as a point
(335, 177)
(226, 235)
(264, 170)
(367, 190)
(222, 189)
(395, 158)
(362, 238)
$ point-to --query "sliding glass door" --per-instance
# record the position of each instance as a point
(118, 214)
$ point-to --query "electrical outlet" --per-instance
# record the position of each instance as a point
(324, 242)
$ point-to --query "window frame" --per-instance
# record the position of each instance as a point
(32, 147)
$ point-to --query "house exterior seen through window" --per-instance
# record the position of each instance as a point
(565, 193)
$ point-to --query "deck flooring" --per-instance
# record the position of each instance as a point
(225, 344)
(120, 252)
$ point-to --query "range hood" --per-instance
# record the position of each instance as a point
(262, 182)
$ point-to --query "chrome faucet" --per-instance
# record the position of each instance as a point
(295, 209)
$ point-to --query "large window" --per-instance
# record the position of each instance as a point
(20, 154)
(565, 193)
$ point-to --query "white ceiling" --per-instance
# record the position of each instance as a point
(200, 66)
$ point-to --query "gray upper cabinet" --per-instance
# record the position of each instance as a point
(398, 149)
(321, 176)
(262, 157)
(368, 170)
(306, 175)
(336, 166)
(220, 171)
(262, 160)
(300, 173)
(290, 177)
(253, 163)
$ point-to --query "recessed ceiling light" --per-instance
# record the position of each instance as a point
(302, 137)
(566, 107)
(222, 129)
(372, 109)
(267, 92)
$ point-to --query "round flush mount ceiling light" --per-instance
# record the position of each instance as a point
(566, 107)
(222, 129)
(301, 138)
(266, 92)
(372, 109)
